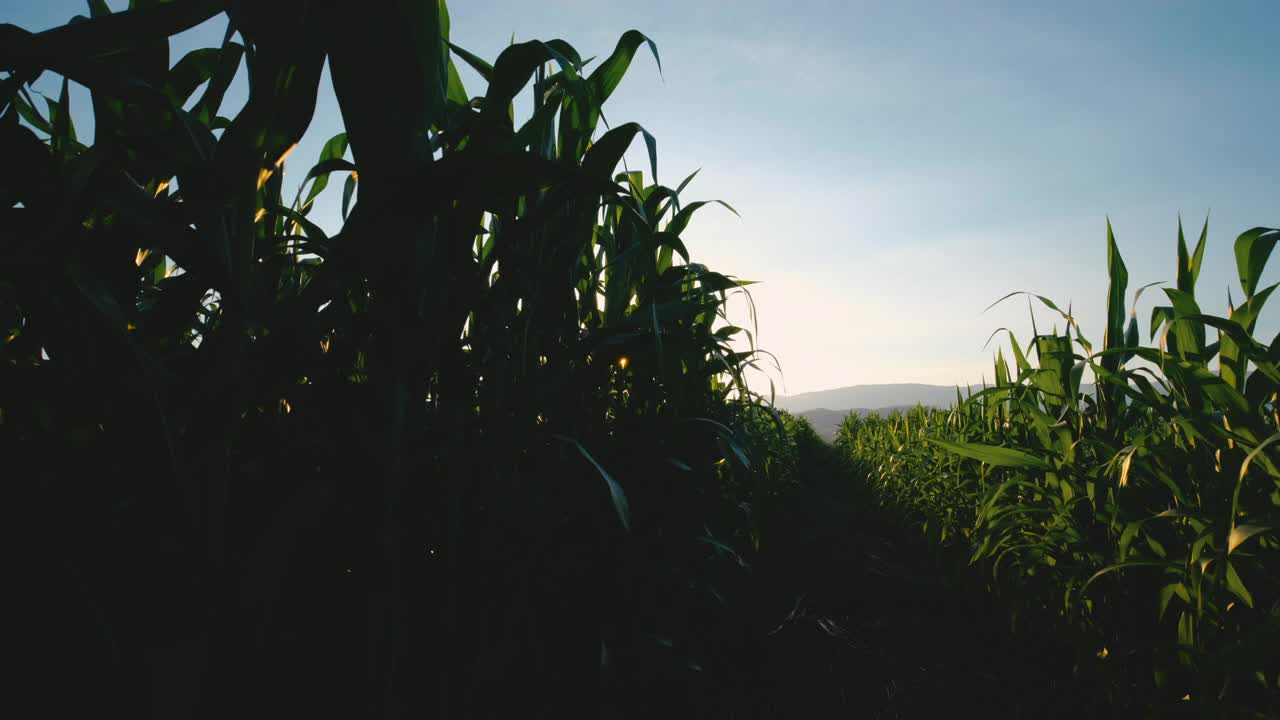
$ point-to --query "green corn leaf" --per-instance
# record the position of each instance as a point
(1126, 539)
(1186, 633)
(1159, 317)
(476, 62)
(194, 69)
(313, 231)
(331, 160)
(64, 130)
(427, 26)
(605, 79)
(1253, 248)
(605, 153)
(682, 218)
(685, 183)
(512, 71)
(108, 35)
(457, 92)
(1236, 585)
(1189, 263)
(1156, 546)
(1118, 282)
(673, 242)
(993, 455)
(206, 108)
(348, 191)
(31, 115)
(1120, 566)
(1167, 593)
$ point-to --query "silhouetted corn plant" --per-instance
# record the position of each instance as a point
(481, 446)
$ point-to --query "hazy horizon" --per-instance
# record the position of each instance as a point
(899, 167)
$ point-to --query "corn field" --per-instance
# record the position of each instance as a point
(487, 447)
(1134, 522)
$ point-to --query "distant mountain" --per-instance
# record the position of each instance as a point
(826, 409)
(872, 396)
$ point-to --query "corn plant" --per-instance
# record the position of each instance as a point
(1137, 518)
(492, 427)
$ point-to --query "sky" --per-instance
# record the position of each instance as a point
(899, 166)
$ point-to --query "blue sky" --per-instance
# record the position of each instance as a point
(898, 166)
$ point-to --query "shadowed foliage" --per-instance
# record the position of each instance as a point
(490, 428)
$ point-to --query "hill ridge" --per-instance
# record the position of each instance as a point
(874, 396)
